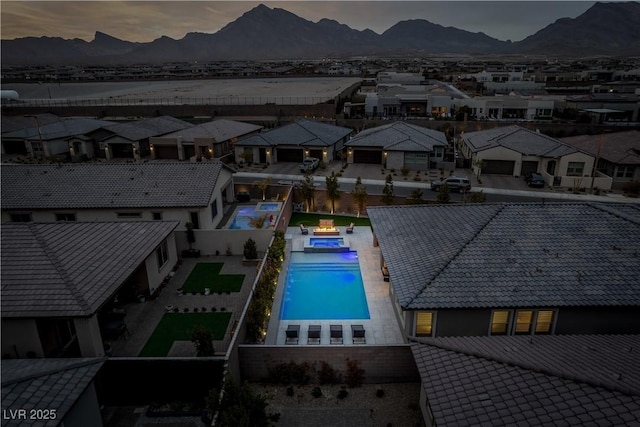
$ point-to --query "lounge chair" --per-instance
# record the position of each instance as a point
(303, 229)
(293, 334)
(314, 334)
(357, 334)
(350, 228)
(336, 334)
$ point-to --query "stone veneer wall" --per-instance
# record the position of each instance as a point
(382, 364)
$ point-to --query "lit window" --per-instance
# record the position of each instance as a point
(524, 319)
(424, 323)
(544, 321)
(500, 322)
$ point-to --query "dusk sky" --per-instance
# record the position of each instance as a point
(144, 21)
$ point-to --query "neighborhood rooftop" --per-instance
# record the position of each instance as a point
(71, 268)
(533, 380)
(143, 129)
(399, 136)
(511, 255)
(519, 139)
(63, 128)
(619, 147)
(220, 130)
(110, 186)
(301, 133)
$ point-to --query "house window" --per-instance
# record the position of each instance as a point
(128, 215)
(544, 322)
(524, 320)
(162, 254)
(500, 322)
(21, 217)
(195, 219)
(65, 217)
(437, 151)
(214, 209)
(575, 168)
(624, 171)
(157, 216)
(416, 158)
(424, 323)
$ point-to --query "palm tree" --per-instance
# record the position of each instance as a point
(263, 186)
(307, 189)
(333, 190)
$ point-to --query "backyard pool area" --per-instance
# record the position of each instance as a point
(324, 286)
(326, 244)
(243, 215)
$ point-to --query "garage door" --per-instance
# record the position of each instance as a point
(166, 151)
(528, 167)
(290, 155)
(367, 156)
(499, 167)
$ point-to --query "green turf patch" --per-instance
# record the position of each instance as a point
(178, 327)
(207, 275)
(311, 220)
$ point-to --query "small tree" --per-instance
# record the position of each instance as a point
(416, 197)
(308, 190)
(202, 338)
(250, 250)
(387, 191)
(443, 194)
(479, 165)
(359, 194)
(258, 222)
(263, 185)
(191, 235)
(333, 190)
(477, 197)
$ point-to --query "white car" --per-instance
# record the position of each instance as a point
(309, 164)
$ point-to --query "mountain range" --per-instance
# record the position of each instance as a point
(610, 29)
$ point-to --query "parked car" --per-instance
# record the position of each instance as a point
(309, 164)
(534, 180)
(455, 183)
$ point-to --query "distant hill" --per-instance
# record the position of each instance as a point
(264, 33)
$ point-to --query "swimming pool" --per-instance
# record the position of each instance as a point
(244, 213)
(322, 286)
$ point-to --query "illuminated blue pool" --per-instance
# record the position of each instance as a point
(324, 242)
(322, 286)
(244, 213)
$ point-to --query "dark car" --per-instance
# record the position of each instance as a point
(535, 180)
(243, 196)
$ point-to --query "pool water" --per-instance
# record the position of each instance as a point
(322, 286)
(326, 243)
(244, 213)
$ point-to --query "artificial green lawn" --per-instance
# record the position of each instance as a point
(311, 220)
(178, 327)
(207, 275)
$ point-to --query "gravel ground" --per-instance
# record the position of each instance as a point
(398, 406)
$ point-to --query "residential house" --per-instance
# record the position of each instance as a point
(510, 269)
(61, 281)
(570, 380)
(65, 138)
(607, 106)
(131, 140)
(294, 142)
(514, 150)
(51, 392)
(193, 192)
(508, 107)
(618, 154)
(398, 145)
(396, 100)
(213, 139)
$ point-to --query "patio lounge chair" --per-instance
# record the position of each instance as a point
(314, 334)
(336, 334)
(303, 229)
(357, 334)
(350, 228)
(293, 334)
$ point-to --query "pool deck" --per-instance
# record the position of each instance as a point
(381, 329)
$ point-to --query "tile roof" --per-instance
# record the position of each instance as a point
(71, 268)
(508, 255)
(300, 133)
(14, 123)
(534, 381)
(621, 148)
(219, 130)
(108, 185)
(399, 136)
(64, 128)
(50, 384)
(519, 139)
(143, 129)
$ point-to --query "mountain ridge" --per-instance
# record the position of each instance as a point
(264, 33)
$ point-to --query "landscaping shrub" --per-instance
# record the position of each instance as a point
(316, 392)
(291, 373)
(328, 375)
(355, 374)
